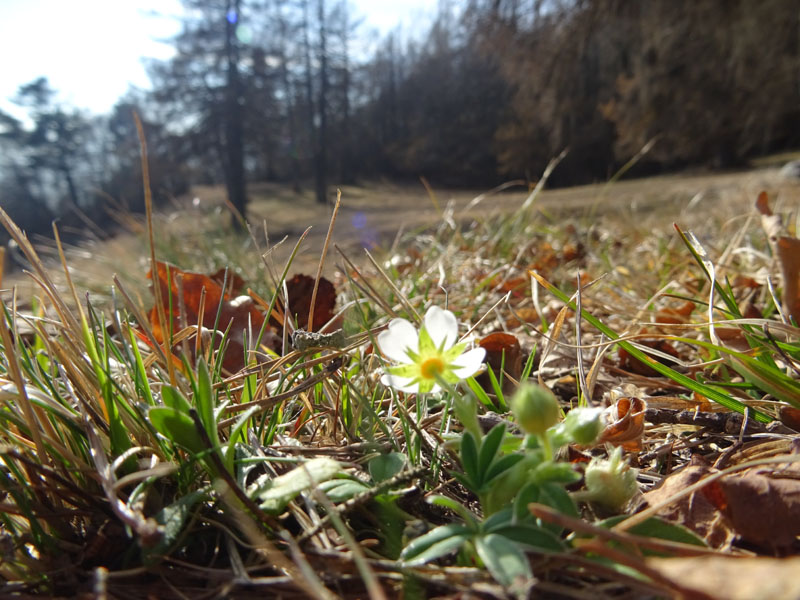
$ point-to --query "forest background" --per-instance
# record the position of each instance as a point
(273, 90)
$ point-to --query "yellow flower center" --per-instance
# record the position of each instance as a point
(432, 367)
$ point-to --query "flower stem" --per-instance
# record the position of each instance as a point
(546, 446)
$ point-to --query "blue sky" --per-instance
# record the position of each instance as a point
(91, 50)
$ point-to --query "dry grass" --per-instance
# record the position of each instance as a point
(178, 516)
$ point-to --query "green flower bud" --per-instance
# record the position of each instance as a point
(583, 425)
(610, 483)
(535, 408)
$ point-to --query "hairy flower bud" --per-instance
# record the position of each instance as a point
(535, 408)
(610, 483)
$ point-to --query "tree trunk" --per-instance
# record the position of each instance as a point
(234, 131)
(320, 160)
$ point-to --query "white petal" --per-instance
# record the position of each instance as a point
(397, 338)
(468, 363)
(402, 384)
(442, 326)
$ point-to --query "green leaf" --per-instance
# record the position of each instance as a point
(679, 378)
(172, 518)
(457, 508)
(469, 458)
(173, 398)
(386, 466)
(555, 496)
(204, 400)
(528, 494)
(497, 389)
(489, 447)
(501, 518)
(341, 490)
(556, 472)
(434, 544)
(177, 427)
(500, 466)
(504, 559)
(768, 379)
(481, 394)
(532, 536)
(238, 426)
(275, 494)
(657, 528)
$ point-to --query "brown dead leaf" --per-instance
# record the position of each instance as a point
(760, 504)
(676, 315)
(696, 511)
(787, 251)
(627, 425)
(725, 577)
(763, 505)
(503, 352)
(234, 284)
(523, 314)
(300, 288)
(185, 292)
(790, 417)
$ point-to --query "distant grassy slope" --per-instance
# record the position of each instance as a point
(373, 213)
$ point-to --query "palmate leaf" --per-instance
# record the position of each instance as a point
(435, 544)
(527, 533)
(461, 510)
(469, 458)
(500, 466)
(504, 559)
(535, 538)
(489, 447)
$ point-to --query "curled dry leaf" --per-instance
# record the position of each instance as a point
(502, 352)
(787, 251)
(627, 424)
(300, 289)
(182, 291)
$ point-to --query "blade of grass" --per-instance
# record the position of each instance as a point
(679, 378)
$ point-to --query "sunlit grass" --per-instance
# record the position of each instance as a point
(118, 457)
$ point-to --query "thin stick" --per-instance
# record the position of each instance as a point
(400, 297)
(373, 293)
(148, 205)
(310, 325)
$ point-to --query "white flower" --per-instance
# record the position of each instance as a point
(426, 355)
